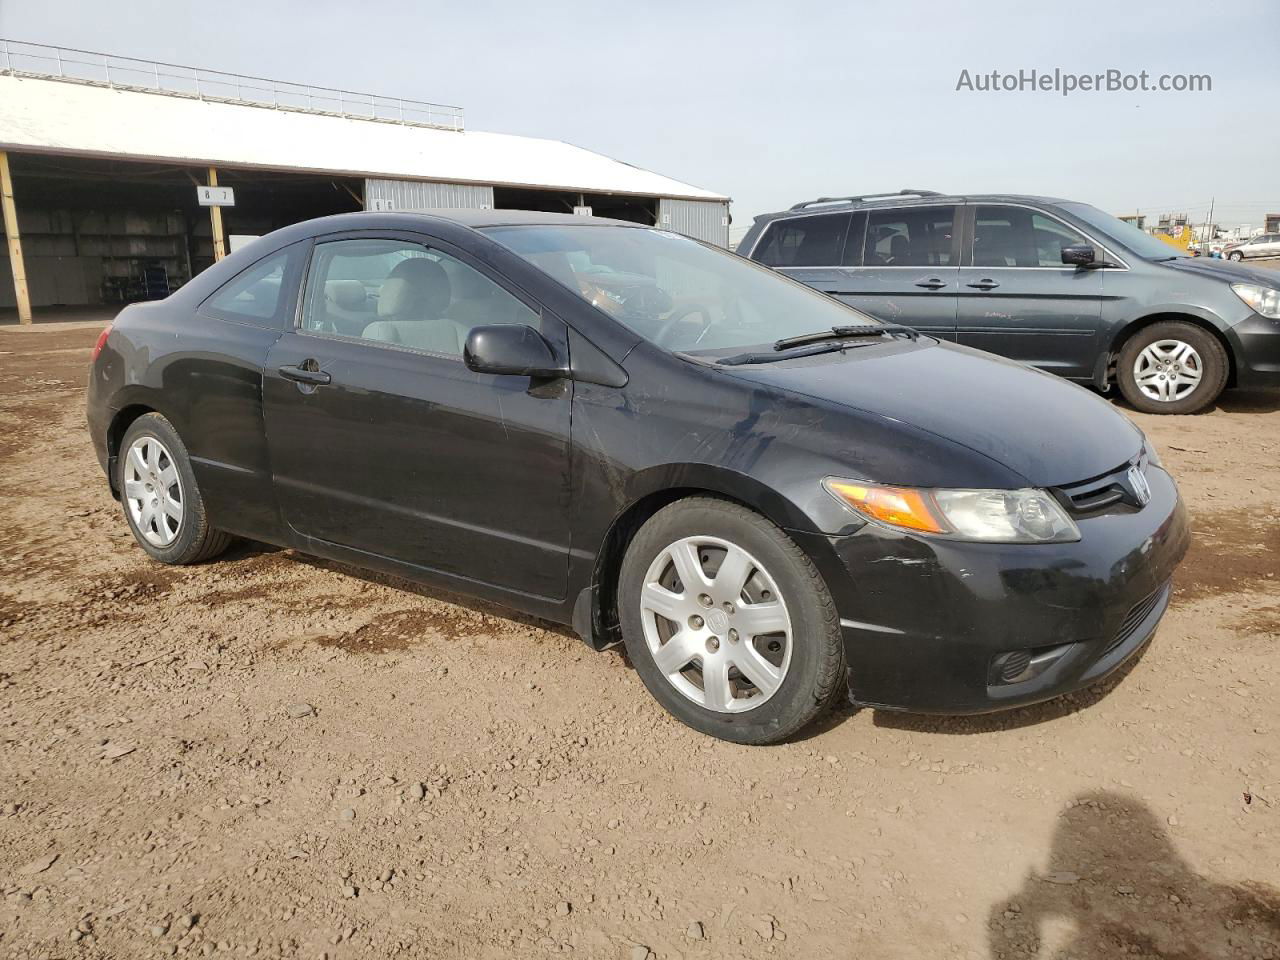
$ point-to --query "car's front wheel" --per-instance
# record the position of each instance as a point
(1235, 255)
(1172, 367)
(158, 491)
(729, 624)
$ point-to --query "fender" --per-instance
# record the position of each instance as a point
(1150, 311)
(714, 478)
(648, 491)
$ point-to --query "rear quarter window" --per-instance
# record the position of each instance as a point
(262, 294)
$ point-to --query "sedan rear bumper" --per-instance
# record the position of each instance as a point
(939, 626)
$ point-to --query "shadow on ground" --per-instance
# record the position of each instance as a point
(1231, 401)
(1116, 886)
(482, 607)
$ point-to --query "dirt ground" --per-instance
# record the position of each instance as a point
(473, 785)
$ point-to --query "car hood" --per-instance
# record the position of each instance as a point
(1224, 270)
(1048, 431)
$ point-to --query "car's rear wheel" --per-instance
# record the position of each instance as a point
(161, 501)
(1172, 367)
(729, 623)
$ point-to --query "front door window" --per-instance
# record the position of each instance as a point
(403, 294)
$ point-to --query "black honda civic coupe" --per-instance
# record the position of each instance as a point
(771, 499)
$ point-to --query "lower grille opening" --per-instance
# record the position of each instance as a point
(1134, 619)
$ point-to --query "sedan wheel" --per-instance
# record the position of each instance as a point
(153, 491)
(160, 495)
(729, 623)
(1235, 255)
(1168, 370)
(716, 624)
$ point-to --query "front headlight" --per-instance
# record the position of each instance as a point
(1264, 300)
(989, 516)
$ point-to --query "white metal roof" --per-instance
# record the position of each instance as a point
(71, 118)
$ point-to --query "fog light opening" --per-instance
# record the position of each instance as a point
(1019, 666)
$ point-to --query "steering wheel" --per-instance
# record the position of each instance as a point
(680, 314)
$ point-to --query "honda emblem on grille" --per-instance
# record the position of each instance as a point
(1141, 489)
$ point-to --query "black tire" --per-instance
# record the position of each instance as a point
(1213, 376)
(1235, 255)
(816, 677)
(195, 541)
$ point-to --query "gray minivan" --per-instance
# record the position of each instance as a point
(1053, 283)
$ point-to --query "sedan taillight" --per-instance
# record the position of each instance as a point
(102, 342)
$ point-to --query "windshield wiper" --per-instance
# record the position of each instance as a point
(811, 350)
(843, 333)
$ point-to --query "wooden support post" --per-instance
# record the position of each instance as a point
(215, 215)
(15, 241)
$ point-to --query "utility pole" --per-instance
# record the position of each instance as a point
(1207, 222)
(215, 219)
(16, 264)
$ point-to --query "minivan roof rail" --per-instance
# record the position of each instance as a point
(867, 196)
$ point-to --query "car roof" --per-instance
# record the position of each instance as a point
(904, 198)
(475, 219)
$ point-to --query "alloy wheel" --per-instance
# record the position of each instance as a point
(716, 625)
(153, 491)
(1168, 370)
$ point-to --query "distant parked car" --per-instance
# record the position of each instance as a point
(1264, 245)
(1053, 283)
(771, 499)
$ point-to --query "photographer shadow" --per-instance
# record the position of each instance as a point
(1116, 886)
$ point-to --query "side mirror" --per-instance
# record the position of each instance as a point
(514, 349)
(1079, 255)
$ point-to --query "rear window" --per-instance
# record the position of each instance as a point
(816, 241)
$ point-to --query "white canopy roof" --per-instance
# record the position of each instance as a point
(54, 116)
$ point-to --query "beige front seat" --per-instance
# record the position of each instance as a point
(346, 306)
(411, 305)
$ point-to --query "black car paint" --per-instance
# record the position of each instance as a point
(525, 491)
(1072, 321)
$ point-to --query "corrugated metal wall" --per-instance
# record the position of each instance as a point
(418, 195)
(701, 219)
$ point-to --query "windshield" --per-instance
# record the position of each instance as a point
(1143, 244)
(675, 292)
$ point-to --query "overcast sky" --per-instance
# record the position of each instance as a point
(777, 102)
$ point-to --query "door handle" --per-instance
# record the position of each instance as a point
(983, 284)
(303, 373)
(931, 283)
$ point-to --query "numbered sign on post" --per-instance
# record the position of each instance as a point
(216, 196)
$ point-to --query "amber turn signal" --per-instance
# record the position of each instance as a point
(898, 506)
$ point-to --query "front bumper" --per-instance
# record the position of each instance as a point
(1255, 342)
(923, 618)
